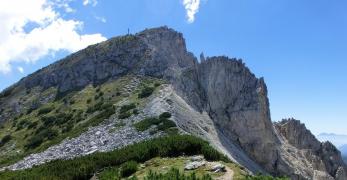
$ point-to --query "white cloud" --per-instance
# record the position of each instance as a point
(102, 19)
(20, 69)
(91, 2)
(51, 33)
(192, 7)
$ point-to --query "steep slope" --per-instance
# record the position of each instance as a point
(306, 154)
(218, 99)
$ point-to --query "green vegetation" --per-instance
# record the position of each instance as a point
(37, 139)
(110, 173)
(128, 168)
(162, 123)
(7, 92)
(85, 167)
(124, 111)
(45, 110)
(174, 174)
(5, 140)
(146, 92)
(165, 115)
(147, 123)
(67, 115)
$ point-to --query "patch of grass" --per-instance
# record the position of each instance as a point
(110, 173)
(175, 174)
(164, 166)
(172, 131)
(128, 168)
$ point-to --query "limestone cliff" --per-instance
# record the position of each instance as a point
(224, 89)
(307, 155)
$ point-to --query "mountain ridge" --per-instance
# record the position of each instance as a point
(230, 104)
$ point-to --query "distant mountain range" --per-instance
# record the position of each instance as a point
(337, 139)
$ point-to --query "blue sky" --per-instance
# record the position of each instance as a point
(299, 46)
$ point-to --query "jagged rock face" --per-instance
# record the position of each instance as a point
(157, 52)
(323, 160)
(297, 134)
(236, 99)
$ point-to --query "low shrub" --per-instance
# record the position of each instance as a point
(104, 114)
(67, 128)
(34, 142)
(157, 84)
(124, 115)
(33, 125)
(45, 110)
(124, 111)
(5, 139)
(23, 124)
(128, 168)
(166, 124)
(135, 111)
(40, 136)
(163, 123)
(147, 123)
(56, 119)
(165, 115)
(146, 92)
(7, 92)
(127, 107)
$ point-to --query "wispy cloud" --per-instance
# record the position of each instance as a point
(51, 32)
(20, 69)
(192, 7)
(101, 19)
(91, 2)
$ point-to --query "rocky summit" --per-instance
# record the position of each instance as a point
(95, 100)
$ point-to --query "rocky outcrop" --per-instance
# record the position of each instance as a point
(316, 160)
(159, 52)
(297, 135)
(237, 102)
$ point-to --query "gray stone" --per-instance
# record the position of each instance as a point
(194, 165)
(218, 168)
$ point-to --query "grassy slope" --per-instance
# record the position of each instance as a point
(162, 165)
(75, 104)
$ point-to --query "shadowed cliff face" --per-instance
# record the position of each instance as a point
(225, 88)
